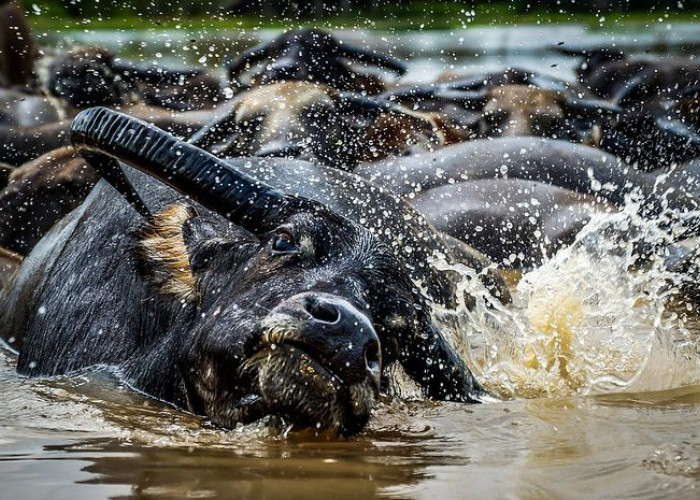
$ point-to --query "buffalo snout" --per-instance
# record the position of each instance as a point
(336, 334)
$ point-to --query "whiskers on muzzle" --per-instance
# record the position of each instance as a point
(300, 388)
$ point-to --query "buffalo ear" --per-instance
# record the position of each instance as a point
(163, 254)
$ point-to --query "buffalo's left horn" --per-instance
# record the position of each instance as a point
(104, 136)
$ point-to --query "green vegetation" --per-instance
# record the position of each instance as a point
(199, 16)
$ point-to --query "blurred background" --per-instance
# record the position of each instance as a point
(385, 14)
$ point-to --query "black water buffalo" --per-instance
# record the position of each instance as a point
(238, 301)
(611, 74)
(573, 167)
(94, 76)
(651, 137)
(315, 122)
(314, 56)
(516, 222)
(511, 103)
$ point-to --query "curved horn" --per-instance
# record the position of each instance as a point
(676, 129)
(369, 57)
(216, 130)
(510, 76)
(103, 136)
(548, 83)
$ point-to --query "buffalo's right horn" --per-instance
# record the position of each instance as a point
(103, 136)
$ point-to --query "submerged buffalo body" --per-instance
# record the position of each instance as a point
(238, 301)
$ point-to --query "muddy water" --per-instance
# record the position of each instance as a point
(599, 385)
(76, 439)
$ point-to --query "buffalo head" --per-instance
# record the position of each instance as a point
(315, 56)
(252, 302)
(94, 76)
(316, 122)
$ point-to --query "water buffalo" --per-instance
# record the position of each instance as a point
(514, 103)
(237, 301)
(611, 74)
(517, 223)
(574, 167)
(91, 76)
(652, 137)
(315, 122)
(315, 56)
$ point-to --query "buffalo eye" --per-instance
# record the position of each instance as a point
(284, 244)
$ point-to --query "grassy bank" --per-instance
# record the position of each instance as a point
(418, 15)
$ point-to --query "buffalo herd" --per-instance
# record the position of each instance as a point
(261, 242)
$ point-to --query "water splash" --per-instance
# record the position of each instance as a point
(586, 322)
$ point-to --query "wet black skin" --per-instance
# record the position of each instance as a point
(579, 168)
(499, 218)
(90, 294)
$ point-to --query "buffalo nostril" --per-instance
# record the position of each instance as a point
(373, 359)
(323, 311)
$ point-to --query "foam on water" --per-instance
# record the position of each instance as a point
(583, 323)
